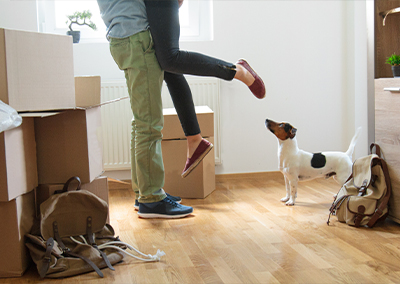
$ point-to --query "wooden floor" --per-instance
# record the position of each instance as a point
(242, 233)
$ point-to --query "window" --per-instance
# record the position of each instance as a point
(195, 19)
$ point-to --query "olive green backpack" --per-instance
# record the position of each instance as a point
(363, 199)
(73, 238)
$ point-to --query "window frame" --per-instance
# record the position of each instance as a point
(199, 27)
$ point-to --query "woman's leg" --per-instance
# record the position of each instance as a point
(183, 102)
(163, 17)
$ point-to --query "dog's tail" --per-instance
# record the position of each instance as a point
(353, 143)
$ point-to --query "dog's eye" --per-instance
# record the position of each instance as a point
(280, 125)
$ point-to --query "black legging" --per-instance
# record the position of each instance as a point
(163, 17)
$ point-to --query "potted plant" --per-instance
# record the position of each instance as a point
(80, 19)
(394, 60)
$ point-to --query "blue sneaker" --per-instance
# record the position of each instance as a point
(177, 199)
(165, 208)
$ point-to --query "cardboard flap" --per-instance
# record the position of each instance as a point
(362, 170)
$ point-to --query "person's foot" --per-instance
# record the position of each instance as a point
(177, 199)
(166, 208)
(257, 87)
(191, 163)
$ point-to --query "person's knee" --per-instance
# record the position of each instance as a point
(168, 61)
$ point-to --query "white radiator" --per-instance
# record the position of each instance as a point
(116, 118)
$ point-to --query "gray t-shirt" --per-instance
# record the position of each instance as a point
(123, 18)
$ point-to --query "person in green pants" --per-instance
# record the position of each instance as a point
(131, 47)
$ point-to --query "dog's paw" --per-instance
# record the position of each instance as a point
(285, 199)
(290, 202)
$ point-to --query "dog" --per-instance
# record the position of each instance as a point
(298, 165)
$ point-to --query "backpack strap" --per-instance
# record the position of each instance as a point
(68, 252)
(66, 185)
(336, 205)
(47, 258)
(377, 149)
(93, 243)
(379, 211)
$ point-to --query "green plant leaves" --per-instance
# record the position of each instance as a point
(81, 19)
(393, 60)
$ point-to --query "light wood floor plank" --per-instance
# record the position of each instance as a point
(242, 233)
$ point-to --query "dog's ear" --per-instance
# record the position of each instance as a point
(292, 133)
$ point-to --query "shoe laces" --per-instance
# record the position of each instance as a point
(172, 202)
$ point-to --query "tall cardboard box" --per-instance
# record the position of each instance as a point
(201, 181)
(98, 187)
(18, 166)
(17, 218)
(36, 70)
(69, 144)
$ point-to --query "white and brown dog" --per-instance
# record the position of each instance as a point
(298, 165)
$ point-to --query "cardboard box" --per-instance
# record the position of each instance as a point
(99, 187)
(201, 181)
(173, 129)
(18, 167)
(87, 91)
(17, 217)
(36, 70)
(69, 144)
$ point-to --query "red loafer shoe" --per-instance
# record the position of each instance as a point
(258, 87)
(201, 151)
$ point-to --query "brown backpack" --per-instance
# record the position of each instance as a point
(363, 199)
(73, 237)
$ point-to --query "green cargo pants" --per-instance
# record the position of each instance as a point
(135, 55)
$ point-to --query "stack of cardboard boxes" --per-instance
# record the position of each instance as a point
(60, 135)
(201, 181)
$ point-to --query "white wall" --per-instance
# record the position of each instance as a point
(312, 56)
(19, 15)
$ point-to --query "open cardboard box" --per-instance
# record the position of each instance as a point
(17, 217)
(69, 143)
(18, 164)
(201, 181)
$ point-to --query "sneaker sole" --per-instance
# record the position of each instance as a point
(195, 164)
(161, 216)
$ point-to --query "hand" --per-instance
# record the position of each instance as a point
(180, 3)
